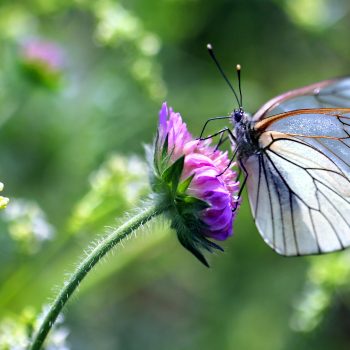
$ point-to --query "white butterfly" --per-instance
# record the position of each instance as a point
(295, 154)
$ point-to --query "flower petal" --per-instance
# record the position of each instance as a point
(163, 116)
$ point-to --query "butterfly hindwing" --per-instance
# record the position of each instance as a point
(300, 197)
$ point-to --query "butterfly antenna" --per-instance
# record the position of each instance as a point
(212, 55)
(238, 70)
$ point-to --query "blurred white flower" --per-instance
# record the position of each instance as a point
(16, 332)
(117, 26)
(27, 224)
(3, 200)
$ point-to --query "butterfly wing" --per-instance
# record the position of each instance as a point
(333, 93)
(299, 184)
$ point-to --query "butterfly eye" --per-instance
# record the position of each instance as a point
(238, 115)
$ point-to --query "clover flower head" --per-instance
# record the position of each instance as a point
(43, 61)
(198, 181)
(45, 52)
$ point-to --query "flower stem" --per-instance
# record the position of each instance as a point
(87, 264)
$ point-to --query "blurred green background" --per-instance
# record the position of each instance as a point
(72, 161)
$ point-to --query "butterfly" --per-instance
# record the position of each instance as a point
(294, 153)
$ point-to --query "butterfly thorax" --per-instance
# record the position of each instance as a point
(246, 136)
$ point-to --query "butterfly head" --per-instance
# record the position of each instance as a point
(238, 115)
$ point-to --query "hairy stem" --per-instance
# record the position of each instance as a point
(86, 265)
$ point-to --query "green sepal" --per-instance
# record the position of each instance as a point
(183, 186)
(162, 158)
(154, 155)
(184, 235)
(188, 244)
(171, 175)
(190, 205)
(189, 233)
(165, 147)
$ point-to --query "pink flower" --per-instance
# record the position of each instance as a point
(43, 52)
(200, 175)
(42, 62)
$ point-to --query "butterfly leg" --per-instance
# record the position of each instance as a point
(230, 162)
(210, 120)
(245, 173)
(239, 174)
(226, 129)
(222, 140)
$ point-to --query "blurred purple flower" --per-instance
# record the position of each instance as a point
(43, 62)
(45, 52)
(196, 175)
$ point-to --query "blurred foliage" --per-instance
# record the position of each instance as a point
(328, 279)
(88, 118)
(119, 178)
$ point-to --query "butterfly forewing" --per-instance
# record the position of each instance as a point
(334, 93)
(327, 130)
(299, 182)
